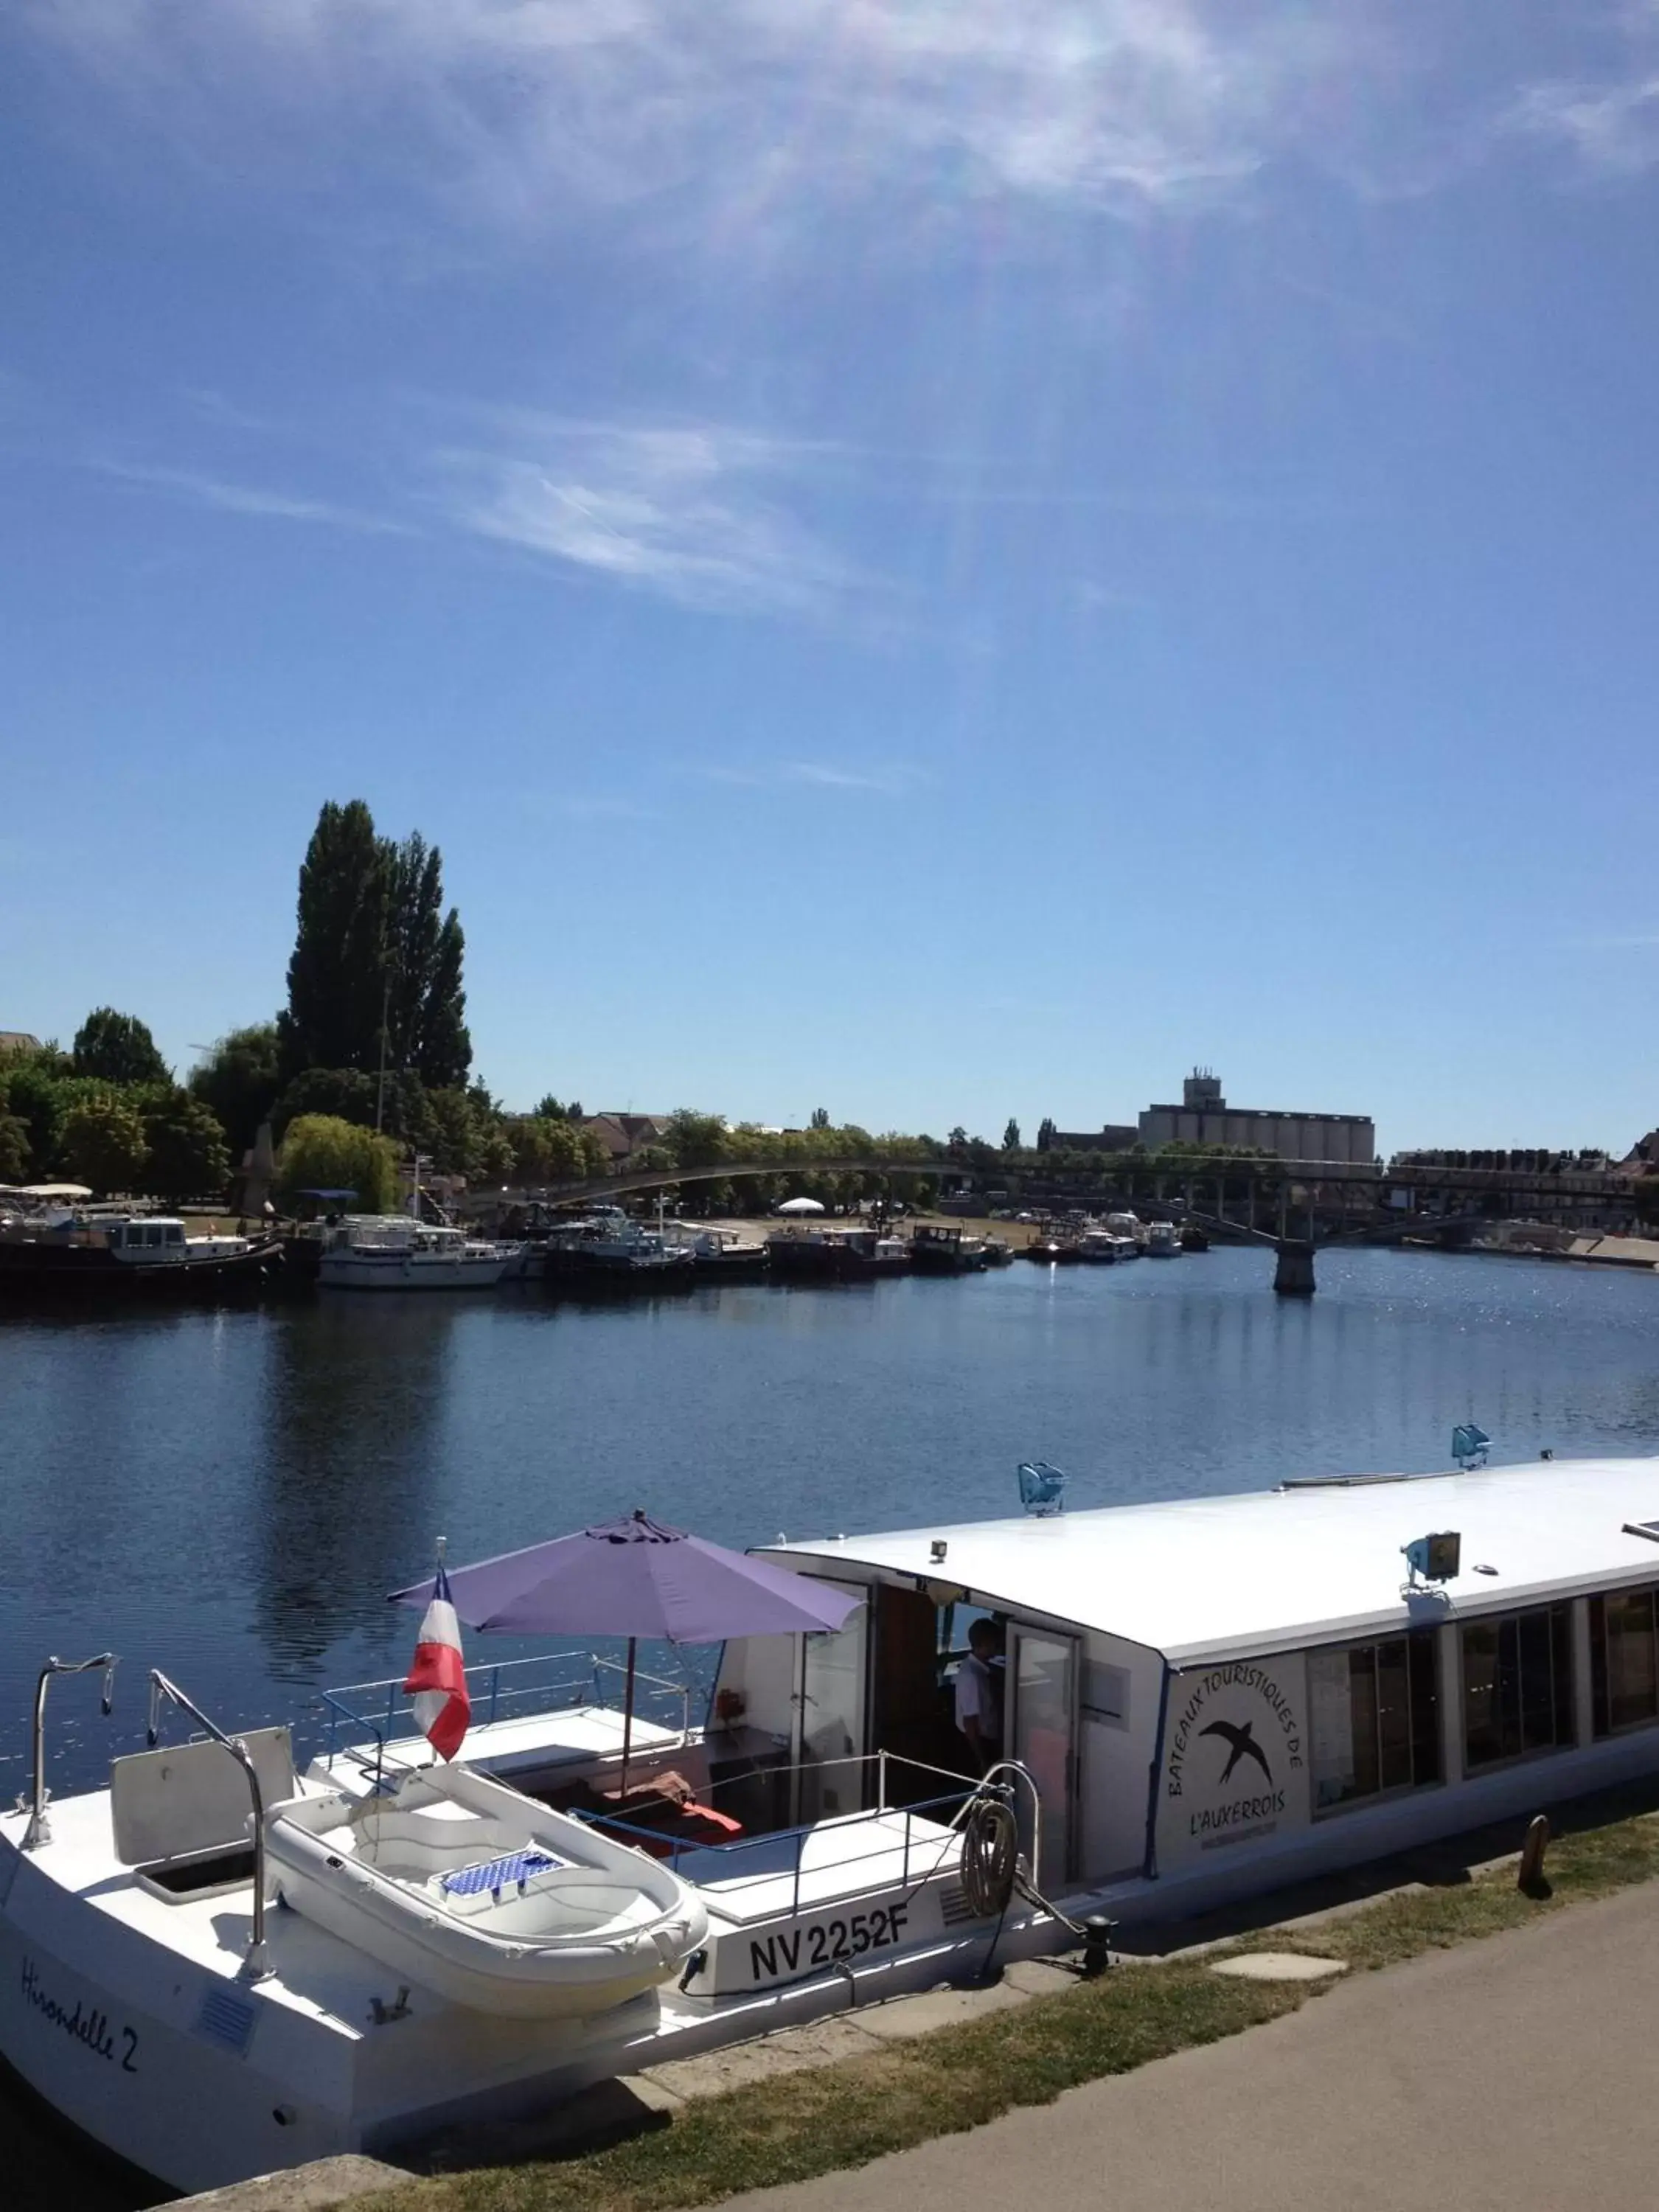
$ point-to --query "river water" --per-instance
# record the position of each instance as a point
(230, 1496)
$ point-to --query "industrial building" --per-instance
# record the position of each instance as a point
(1204, 1117)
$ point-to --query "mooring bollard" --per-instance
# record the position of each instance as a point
(1530, 1878)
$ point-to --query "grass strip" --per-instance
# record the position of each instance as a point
(795, 2126)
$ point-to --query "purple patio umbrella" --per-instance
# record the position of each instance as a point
(636, 1578)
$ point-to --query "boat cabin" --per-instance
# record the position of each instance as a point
(1219, 1695)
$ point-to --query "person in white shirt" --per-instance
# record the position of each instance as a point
(979, 1694)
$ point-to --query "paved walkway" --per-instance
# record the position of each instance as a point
(1512, 2073)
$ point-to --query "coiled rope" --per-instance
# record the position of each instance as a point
(993, 1870)
(990, 1856)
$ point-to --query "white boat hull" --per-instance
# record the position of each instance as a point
(404, 1270)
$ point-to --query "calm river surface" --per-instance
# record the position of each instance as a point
(230, 1496)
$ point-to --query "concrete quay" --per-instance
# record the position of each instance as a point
(1502, 2076)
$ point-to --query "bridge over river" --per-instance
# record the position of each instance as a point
(1334, 1202)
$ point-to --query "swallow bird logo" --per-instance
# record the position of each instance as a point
(1243, 1745)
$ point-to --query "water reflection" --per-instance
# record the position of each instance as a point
(352, 1404)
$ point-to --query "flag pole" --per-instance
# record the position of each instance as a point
(627, 1713)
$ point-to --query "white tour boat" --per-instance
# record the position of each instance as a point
(1202, 1700)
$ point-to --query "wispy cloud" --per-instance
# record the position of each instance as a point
(1612, 129)
(891, 778)
(697, 513)
(1606, 118)
(250, 498)
(531, 107)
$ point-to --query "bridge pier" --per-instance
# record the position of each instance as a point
(1293, 1278)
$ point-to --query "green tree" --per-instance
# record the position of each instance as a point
(14, 1147)
(188, 1157)
(820, 1117)
(322, 1153)
(1010, 1136)
(336, 977)
(118, 1049)
(426, 1004)
(34, 1098)
(343, 1094)
(1046, 1134)
(697, 1140)
(103, 1144)
(240, 1081)
(455, 1133)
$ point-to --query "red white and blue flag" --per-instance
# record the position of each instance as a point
(437, 1680)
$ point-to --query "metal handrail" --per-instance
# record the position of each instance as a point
(677, 1847)
(489, 1685)
(38, 1831)
(256, 1962)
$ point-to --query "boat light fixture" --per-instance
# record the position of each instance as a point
(937, 1550)
(1434, 1558)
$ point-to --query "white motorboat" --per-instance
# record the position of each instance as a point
(1163, 1241)
(396, 1252)
(459, 1884)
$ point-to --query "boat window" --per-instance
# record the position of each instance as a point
(152, 1235)
(175, 1235)
(1517, 1685)
(1374, 1710)
(1624, 1661)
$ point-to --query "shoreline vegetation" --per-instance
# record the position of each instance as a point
(370, 1058)
(793, 2127)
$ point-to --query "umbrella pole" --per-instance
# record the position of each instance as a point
(628, 1714)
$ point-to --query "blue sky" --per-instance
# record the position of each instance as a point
(941, 559)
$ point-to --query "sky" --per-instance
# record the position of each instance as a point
(939, 559)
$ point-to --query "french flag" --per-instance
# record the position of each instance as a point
(437, 1680)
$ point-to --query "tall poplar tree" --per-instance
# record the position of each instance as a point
(337, 976)
(377, 964)
(427, 1026)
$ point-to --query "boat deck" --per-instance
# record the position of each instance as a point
(805, 1869)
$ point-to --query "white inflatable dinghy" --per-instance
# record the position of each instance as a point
(461, 1885)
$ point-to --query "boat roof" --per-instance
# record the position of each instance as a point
(1200, 1579)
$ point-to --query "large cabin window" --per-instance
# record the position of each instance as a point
(1517, 1685)
(1374, 1711)
(1624, 1661)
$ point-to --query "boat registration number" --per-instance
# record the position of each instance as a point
(809, 1946)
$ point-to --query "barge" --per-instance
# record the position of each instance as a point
(1199, 1700)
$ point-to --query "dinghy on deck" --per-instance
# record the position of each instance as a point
(455, 1881)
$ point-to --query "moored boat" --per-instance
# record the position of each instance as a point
(54, 1245)
(938, 1249)
(816, 1253)
(723, 1254)
(397, 1252)
(1307, 1678)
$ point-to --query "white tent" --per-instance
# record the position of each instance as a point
(801, 1206)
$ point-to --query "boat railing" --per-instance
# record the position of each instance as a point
(921, 1854)
(360, 1715)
